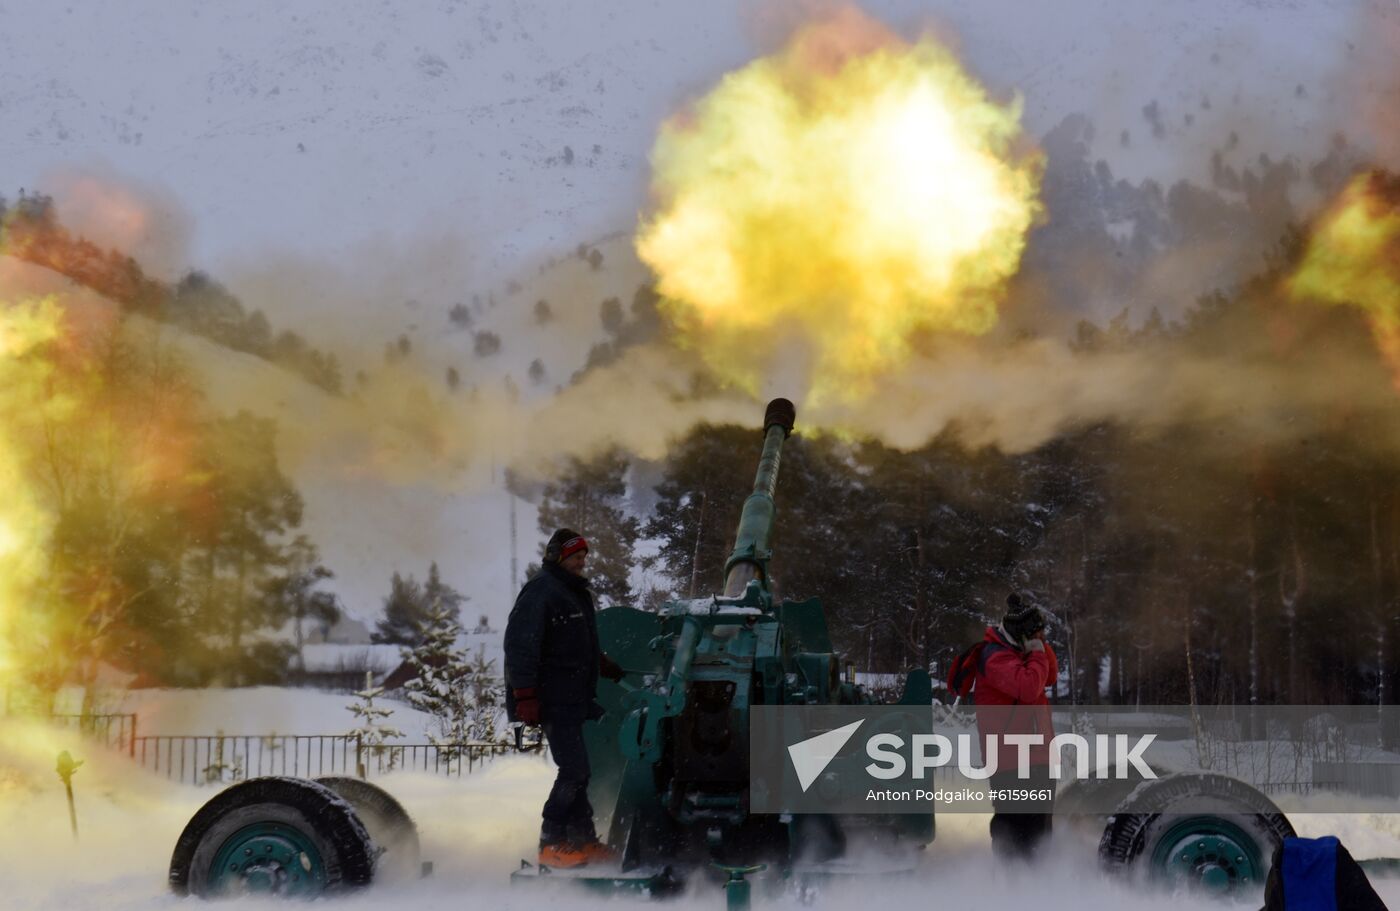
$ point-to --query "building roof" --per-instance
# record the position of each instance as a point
(326, 658)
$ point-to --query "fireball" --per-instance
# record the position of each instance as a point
(25, 524)
(832, 202)
(1353, 258)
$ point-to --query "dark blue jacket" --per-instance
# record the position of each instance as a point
(552, 645)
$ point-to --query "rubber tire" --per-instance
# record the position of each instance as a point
(1073, 801)
(1132, 830)
(316, 811)
(389, 826)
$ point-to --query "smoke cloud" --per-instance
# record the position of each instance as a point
(115, 212)
(401, 422)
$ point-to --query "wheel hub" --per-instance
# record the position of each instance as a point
(1208, 851)
(268, 858)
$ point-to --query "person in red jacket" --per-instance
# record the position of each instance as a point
(1013, 670)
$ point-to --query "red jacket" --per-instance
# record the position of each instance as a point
(1010, 694)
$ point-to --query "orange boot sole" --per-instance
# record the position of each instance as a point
(597, 852)
(563, 856)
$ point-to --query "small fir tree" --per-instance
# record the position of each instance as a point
(439, 684)
(487, 690)
(461, 693)
(372, 732)
(218, 771)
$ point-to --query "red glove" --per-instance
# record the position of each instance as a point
(527, 705)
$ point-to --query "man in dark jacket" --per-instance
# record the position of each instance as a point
(1014, 668)
(552, 666)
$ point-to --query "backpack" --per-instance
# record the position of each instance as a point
(962, 673)
(1318, 874)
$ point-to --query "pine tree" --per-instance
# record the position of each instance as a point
(258, 506)
(610, 314)
(461, 693)
(707, 476)
(409, 606)
(372, 733)
(403, 612)
(486, 687)
(438, 686)
(294, 593)
(438, 593)
(590, 497)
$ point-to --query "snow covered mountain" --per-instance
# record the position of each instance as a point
(522, 128)
(356, 168)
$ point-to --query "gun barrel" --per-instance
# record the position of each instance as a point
(749, 559)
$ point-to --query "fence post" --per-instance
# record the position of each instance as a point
(132, 750)
(359, 756)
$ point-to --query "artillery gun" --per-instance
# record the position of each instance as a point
(671, 768)
(670, 758)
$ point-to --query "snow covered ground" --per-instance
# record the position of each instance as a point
(258, 710)
(475, 830)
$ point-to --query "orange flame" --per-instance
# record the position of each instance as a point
(99, 435)
(1353, 259)
(844, 195)
(25, 523)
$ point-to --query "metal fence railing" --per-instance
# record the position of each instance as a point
(1274, 788)
(455, 759)
(1369, 779)
(213, 758)
(223, 758)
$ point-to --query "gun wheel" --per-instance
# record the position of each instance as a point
(389, 826)
(1200, 830)
(286, 837)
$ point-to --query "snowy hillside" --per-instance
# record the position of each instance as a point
(366, 526)
(356, 168)
(521, 129)
(511, 125)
